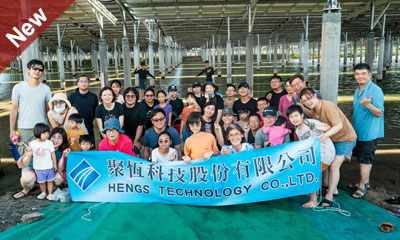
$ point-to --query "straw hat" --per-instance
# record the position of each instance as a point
(58, 97)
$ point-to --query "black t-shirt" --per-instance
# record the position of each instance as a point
(148, 110)
(251, 105)
(209, 72)
(143, 73)
(86, 105)
(133, 118)
(209, 126)
(276, 97)
(177, 108)
(104, 114)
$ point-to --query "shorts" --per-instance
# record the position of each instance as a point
(142, 84)
(344, 148)
(46, 175)
(25, 136)
(365, 151)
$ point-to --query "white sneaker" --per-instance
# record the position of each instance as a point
(42, 196)
(50, 197)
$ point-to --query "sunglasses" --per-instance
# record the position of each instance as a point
(130, 96)
(158, 120)
(149, 95)
(37, 68)
(55, 102)
(165, 141)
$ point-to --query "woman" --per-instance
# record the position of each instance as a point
(341, 133)
(108, 109)
(285, 102)
(60, 110)
(235, 141)
(28, 177)
(220, 129)
(116, 87)
(114, 139)
(149, 103)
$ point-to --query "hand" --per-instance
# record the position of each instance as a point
(137, 144)
(208, 155)
(12, 133)
(186, 159)
(190, 89)
(266, 144)
(269, 96)
(217, 126)
(19, 163)
(323, 138)
(173, 156)
(102, 134)
(365, 102)
(225, 151)
(55, 166)
(28, 149)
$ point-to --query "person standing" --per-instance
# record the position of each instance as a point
(149, 103)
(277, 91)
(209, 72)
(245, 101)
(85, 102)
(368, 122)
(230, 96)
(29, 104)
(142, 71)
(298, 83)
(175, 102)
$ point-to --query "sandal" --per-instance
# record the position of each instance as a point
(395, 212)
(329, 202)
(355, 186)
(359, 195)
(386, 227)
(325, 191)
(19, 195)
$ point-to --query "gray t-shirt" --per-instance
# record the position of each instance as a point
(31, 104)
(261, 137)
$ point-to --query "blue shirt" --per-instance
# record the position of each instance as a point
(367, 126)
(151, 137)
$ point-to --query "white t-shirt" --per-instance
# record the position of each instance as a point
(327, 150)
(31, 104)
(42, 154)
(157, 157)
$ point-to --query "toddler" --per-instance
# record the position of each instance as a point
(73, 131)
(276, 133)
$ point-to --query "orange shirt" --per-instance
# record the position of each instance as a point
(197, 145)
(74, 134)
(186, 111)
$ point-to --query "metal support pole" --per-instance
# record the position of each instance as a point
(275, 56)
(151, 53)
(354, 52)
(319, 53)
(103, 59)
(116, 55)
(379, 76)
(219, 56)
(270, 50)
(60, 59)
(369, 51)
(161, 55)
(169, 56)
(136, 51)
(213, 52)
(228, 56)
(283, 54)
(72, 57)
(345, 50)
(361, 49)
(239, 50)
(397, 49)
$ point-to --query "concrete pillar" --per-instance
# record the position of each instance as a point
(48, 59)
(228, 56)
(313, 52)
(354, 52)
(283, 54)
(379, 76)
(239, 50)
(103, 59)
(305, 59)
(116, 62)
(60, 59)
(345, 49)
(126, 53)
(72, 58)
(369, 52)
(331, 27)
(275, 56)
(319, 53)
(397, 49)
(270, 50)
(219, 56)
(169, 59)
(249, 60)
(361, 49)
(151, 54)
(31, 52)
(258, 53)
(301, 58)
(213, 52)
(161, 53)
(386, 53)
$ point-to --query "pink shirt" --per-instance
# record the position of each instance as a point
(124, 145)
(284, 104)
(276, 134)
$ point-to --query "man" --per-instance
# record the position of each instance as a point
(175, 102)
(29, 103)
(149, 103)
(134, 119)
(196, 89)
(157, 117)
(209, 72)
(230, 96)
(245, 101)
(85, 102)
(269, 117)
(298, 83)
(142, 71)
(368, 123)
(277, 91)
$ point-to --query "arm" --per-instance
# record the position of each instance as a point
(374, 110)
(219, 115)
(53, 157)
(202, 71)
(46, 108)
(218, 134)
(100, 125)
(25, 159)
(169, 119)
(53, 123)
(332, 131)
(323, 128)
(179, 150)
(136, 71)
(146, 153)
(13, 116)
(148, 73)
(121, 120)
(136, 141)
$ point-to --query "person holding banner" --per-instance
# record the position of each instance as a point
(341, 133)
(235, 141)
(115, 140)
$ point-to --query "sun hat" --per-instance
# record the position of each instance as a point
(112, 123)
(203, 88)
(59, 97)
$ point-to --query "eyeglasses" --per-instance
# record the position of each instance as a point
(55, 102)
(149, 95)
(305, 101)
(130, 96)
(165, 141)
(37, 68)
(158, 120)
(275, 81)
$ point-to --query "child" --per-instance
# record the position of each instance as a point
(73, 131)
(162, 97)
(116, 87)
(276, 133)
(44, 160)
(191, 107)
(311, 128)
(243, 116)
(86, 142)
(164, 152)
(201, 144)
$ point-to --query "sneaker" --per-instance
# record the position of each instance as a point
(50, 197)
(42, 196)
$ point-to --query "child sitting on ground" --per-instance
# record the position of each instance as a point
(201, 144)
(86, 142)
(276, 133)
(311, 128)
(191, 107)
(44, 160)
(164, 152)
(73, 131)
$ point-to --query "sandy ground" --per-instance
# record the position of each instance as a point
(385, 183)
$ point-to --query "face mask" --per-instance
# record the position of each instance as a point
(59, 110)
(211, 95)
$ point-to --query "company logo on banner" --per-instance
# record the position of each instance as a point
(264, 174)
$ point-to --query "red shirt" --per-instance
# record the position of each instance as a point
(124, 145)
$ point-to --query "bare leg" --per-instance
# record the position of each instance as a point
(365, 170)
(27, 180)
(334, 176)
(58, 181)
(50, 187)
(42, 187)
(325, 178)
(312, 202)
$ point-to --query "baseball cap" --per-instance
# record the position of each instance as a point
(196, 84)
(269, 111)
(244, 84)
(227, 111)
(172, 88)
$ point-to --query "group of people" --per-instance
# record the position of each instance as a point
(160, 128)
